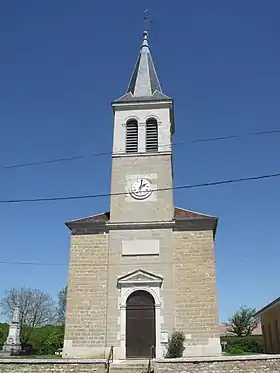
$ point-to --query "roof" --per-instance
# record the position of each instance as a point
(224, 332)
(179, 214)
(156, 96)
(144, 83)
(268, 306)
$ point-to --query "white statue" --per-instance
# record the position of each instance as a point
(15, 319)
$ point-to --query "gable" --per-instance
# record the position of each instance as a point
(140, 276)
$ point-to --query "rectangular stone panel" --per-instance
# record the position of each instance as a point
(140, 247)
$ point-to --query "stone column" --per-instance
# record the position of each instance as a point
(12, 344)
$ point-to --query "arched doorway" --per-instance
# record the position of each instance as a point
(140, 324)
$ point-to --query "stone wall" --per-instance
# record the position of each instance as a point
(85, 332)
(195, 292)
(51, 366)
(225, 364)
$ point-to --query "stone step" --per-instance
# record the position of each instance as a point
(129, 369)
(132, 366)
(127, 366)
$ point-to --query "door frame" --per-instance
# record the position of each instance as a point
(126, 288)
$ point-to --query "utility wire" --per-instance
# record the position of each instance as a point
(47, 264)
(73, 158)
(32, 263)
(190, 186)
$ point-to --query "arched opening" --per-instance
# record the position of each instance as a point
(151, 135)
(140, 324)
(131, 141)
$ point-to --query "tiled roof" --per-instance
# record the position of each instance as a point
(179, 214)
(224, 332)
(92, 219)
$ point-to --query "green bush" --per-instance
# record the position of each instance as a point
(235, 351)
(43, 341)
(248, 344)
(175, 347)
(47, 339)
(4, 330)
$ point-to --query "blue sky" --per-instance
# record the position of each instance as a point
(63, 62)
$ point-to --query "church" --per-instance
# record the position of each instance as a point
(145, 268)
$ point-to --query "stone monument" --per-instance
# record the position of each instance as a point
(12, 344)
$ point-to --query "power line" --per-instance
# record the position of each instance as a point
(32, 263)
(190, 186)
(83, 156)
(55, 160)
(49, 264)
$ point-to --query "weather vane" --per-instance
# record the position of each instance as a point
(146, 20)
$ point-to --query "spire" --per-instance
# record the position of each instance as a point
(144, 83)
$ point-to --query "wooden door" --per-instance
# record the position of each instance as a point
(140, 325)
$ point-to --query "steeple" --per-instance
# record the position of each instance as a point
(144, 84)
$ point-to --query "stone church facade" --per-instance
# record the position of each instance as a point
(145, 268)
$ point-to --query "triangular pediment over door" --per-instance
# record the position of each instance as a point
(140, 277)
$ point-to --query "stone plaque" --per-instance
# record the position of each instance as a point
(164, 337)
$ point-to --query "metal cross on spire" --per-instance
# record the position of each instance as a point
(146, 20)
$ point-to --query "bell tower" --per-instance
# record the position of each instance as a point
(142, 178)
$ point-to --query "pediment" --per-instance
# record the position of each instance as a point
(141, 277)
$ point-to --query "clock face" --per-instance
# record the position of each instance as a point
(141, 189)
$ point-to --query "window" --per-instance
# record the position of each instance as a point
(131, 145)
(151, 135)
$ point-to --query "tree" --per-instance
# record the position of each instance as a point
(36, 309)
(242, 322)
(61, 306)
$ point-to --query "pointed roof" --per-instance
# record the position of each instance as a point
(144, 84)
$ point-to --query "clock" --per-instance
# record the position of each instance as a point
(141, 189)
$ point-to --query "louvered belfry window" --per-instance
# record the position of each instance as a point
(131, 145)
(151, 135)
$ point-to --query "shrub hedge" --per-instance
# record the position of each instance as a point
(250, 344)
